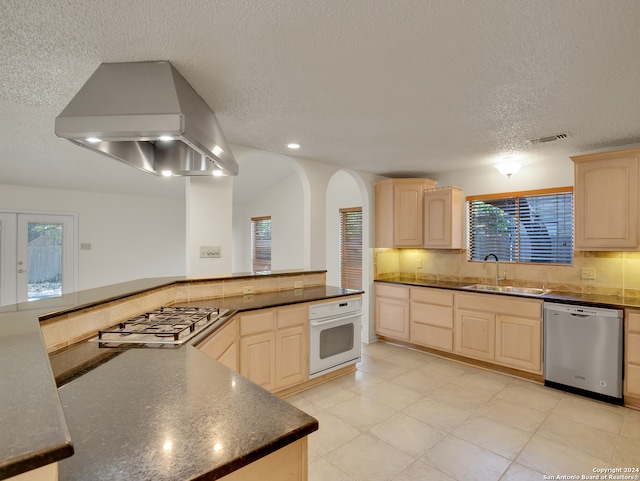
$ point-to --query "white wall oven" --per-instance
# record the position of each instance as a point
(334, 335)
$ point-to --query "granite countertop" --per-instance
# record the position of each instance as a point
(595, 300)
(173, 413)
(33, 430)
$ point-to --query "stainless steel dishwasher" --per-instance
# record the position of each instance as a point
(583, 350)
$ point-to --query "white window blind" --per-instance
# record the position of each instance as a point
(351, 248)
(526, 227)
(261, 244)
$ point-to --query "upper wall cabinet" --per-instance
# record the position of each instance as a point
(606, 200)
(399, 212)
(443, 218)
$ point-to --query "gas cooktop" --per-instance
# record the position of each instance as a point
(168, 325)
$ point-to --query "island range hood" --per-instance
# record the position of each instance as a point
(146, 115)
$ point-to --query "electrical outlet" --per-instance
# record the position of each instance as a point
(589, 273)
(419, 264)
(210, 251)
(297, 285)
(247, 289)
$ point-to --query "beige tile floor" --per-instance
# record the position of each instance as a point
(410, 416)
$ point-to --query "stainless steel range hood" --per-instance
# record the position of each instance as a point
(146, 115)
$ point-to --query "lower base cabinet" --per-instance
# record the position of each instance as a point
(519, 343)
(269, 346)
(475, 334)
(632, 357)
(503, 330)
(223, 345)
(289, 463)
(258, 359)
(392, 311)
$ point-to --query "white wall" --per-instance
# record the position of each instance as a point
(284, 203)
(209, 210)
(131, 237)
(544, 174)
(342, 192)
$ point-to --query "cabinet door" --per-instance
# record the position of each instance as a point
(223, 345)
(407, 212)
(632, 381)
(292, 358)
(392, 318)
(519, 343)
(606, 200)
(258, 359)
(443, 218)
(475, 334)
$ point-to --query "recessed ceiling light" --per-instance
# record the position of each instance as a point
(294, 145)
(93, 140)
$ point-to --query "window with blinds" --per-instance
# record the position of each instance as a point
(533, 227)
(261, 244)
(351, 248)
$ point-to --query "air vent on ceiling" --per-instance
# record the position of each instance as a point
(550, 138)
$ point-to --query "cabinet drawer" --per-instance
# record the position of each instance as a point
(498, 304)
(633, 380)
(259, 322)
(633, 321)
(439, 316)
(633, 347)
(441, 297)
(430, 336)
(397, 292)
(293, 316)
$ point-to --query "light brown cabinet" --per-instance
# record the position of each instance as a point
(290, 463)
(223, 345)
(268, 346)
(400, 212)
(292, 346)
(607, 215)
(519, 343)
(475, 334)
(501, 329)
(258, 359)
(392, 311)
(443, 218)
(431, 318)
(632, 357)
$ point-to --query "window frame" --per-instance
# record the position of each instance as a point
(350, 272)
(523, 245)
(259, 264)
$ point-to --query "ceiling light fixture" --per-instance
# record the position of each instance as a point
(293, 146)
(508, 168)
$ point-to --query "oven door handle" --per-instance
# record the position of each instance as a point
(328, 320)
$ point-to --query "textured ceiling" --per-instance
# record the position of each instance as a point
(389, 87)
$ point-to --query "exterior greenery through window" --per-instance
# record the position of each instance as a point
(351, 248)
(533, 227)
(261, 244)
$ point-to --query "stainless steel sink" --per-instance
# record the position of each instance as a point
(528, 291)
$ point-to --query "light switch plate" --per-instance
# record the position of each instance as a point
(210, 251)
(589, 273)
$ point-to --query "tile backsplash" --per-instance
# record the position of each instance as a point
(617, 273)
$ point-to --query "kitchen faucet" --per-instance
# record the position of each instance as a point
(484, 265)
